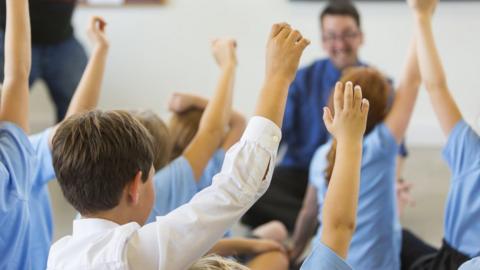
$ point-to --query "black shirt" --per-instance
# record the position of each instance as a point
(50, 20)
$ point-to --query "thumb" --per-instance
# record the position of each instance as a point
(327, 118)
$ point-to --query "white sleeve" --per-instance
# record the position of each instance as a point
(177, 240)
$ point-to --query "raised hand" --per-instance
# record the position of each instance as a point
(224, 50)
(351, 111)
(181, 102)
(96, 32)
(423, 7)
(284, 49)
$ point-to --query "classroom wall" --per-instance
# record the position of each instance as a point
(156, 50)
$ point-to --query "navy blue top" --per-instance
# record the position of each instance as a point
(303, 128)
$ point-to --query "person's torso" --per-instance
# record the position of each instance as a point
(50, 20)
(376, 242)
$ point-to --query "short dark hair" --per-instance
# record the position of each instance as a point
(341, 8)
(96, 154)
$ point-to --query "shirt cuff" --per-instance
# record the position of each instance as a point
(263, 131)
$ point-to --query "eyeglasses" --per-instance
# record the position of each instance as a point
(345, 37)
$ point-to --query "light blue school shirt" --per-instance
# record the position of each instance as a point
(175, 184)
(473, 264)
(376, 243)
(462, 213)
(323, 258)
(39, 201)
(17, 162)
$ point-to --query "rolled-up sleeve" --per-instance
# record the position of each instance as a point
(177, 240)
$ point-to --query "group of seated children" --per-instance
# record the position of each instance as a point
(158, 196)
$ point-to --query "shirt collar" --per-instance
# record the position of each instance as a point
(86, 226)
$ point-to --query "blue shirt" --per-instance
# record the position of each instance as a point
(175, 184)
(473, 264)
(39, 200)
(323, 258)
(17, 162)
(303, 130)
(462, 214)
(376, 242)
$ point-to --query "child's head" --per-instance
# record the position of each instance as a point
(103, 161)
(214, 262)
(161, 139)
(183, 127)
(375, 88)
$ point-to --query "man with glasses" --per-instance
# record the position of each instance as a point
(303, 129)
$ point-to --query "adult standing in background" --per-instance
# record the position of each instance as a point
(303, 129)
(57, 57)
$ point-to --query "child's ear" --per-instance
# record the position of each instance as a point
(134, 188)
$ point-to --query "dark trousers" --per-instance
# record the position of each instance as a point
(418, 255)
(59, 65)
(282, 201)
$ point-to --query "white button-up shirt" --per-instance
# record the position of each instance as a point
(177, 240)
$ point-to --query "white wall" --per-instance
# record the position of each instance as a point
(158, 50)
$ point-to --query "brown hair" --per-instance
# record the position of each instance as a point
(375, 89)
(341, 8)
(161, 139)
(96, 154)
(183, 127)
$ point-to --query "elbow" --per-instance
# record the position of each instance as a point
(342, 225)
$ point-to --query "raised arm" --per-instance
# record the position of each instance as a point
(305, 224)
(399, 116)
(236, 126)
(180, 102)
(340, 207)
(431, 67)
(243, 246)
(14, 101)
(88, 91)
(217, 113)
(284, 49)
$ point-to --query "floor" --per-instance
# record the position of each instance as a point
(424, 168)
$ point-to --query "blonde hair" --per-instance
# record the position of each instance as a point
(215, 262)
(183, 127)
(161, 139)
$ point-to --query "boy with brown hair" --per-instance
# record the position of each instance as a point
(103, 161)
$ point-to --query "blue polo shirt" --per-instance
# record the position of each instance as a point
(376, 242)
(39, 200)
(175, 183)
(462, 214)
(17, 162)
(303, 130)
(323, 258)
(473, 264)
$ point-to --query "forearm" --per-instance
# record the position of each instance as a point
(339, 215)
(272, 100)
(15, 96)
(217, 112)
(88, 91)
(433, 75)
(237, 125)
(304, 228)
(232, 247)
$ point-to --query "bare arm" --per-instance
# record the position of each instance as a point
(284, 49)
(399, 116)
(305, 224)
(236, 127)
(242, 246)
(431, 67)
(88, 91)
(15, 99)
(340, 207)
(217, 113)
